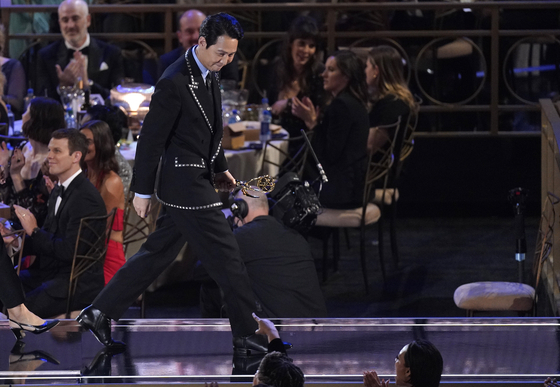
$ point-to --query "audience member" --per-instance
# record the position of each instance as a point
(340, 138)
(13, 89)
(390, 94)
(12, 297)
(117, 120)
(78, 55)
(276, 369)
(278, 261)
(298, 74)
(102, 171)
(24, 184)
(47, 279)
(187, 34)
(418, 364)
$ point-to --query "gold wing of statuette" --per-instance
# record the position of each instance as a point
(258, 184)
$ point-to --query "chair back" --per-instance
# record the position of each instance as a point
(15, 248)
(408, 138)
(545, 237)
(380, 162)
(90, 249)
(136, 229)
(278, 160)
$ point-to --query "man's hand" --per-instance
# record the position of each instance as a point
(26, 218)
(142, 206)
(224, 181)
(372, 380)
(266, 327)
(76, 68)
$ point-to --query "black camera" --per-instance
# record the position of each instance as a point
(294, 203)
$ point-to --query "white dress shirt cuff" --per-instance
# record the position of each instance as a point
(142, 196)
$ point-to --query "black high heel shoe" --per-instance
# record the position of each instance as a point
(35, 329)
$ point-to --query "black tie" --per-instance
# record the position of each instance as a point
(209, 82)
(71, 51)
(58, 190)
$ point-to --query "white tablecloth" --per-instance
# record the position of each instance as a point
(243, 164)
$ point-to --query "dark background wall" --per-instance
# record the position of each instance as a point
(470, 176)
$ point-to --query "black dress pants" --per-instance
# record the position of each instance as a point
(211, 239)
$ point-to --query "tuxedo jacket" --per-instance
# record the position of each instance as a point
(184, 129)
(229, 71)
(105, 67)
(54, 244)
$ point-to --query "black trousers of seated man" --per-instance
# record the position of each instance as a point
(26, 290)
(211, 239)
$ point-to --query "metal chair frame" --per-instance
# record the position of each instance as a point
(377, 169)
(95, 250)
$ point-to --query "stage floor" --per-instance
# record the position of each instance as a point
(328, 351)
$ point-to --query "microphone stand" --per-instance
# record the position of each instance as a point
(322, 173)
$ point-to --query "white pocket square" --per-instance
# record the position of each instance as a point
(103, 66)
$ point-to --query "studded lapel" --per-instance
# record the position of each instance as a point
(198, 91)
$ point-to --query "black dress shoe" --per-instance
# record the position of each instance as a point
(101, 363)
(253, 344)
(100, 325)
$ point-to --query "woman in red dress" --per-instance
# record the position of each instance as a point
(102, 171)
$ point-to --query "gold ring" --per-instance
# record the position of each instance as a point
(22, 214)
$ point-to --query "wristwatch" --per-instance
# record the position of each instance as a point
(35, 231)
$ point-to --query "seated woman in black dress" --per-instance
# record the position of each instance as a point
(340, 138)
(391, 97)
(13, 90)
(24, 183)
(298, 74)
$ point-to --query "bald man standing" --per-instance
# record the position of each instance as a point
(187, 34)
(78, 55)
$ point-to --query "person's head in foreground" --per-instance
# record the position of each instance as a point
(278, 370)
(418, 364)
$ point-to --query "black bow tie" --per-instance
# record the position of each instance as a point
(58, 190)
(71, 51)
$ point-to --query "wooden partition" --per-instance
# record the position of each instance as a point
(550, 182)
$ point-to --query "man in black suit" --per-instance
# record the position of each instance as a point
(278, 260)
(46, 281)
(187, 34)
(184, 129)
(78, 55)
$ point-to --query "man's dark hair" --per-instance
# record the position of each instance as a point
(45, 116)
(77, 142)
(278, 370)
(220, 24)
(112, 116)
(425, 363)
